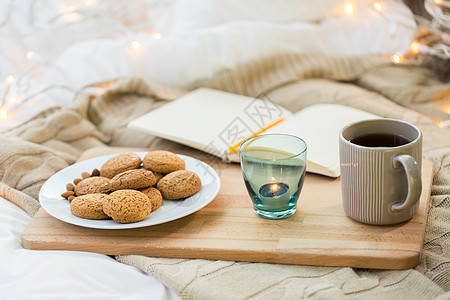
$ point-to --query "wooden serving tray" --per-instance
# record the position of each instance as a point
(319, 233)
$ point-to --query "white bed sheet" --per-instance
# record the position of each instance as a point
(199, 39)
(30, 274)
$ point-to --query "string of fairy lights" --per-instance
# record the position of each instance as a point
(119, 19)
(432, 39)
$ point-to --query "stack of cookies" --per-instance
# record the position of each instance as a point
(128, 188)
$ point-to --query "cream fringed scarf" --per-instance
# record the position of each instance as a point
(34, 151)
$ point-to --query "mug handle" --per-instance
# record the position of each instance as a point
(414, 181)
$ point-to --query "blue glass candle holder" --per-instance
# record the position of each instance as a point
(274, 166)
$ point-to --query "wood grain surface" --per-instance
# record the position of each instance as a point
(319, 233)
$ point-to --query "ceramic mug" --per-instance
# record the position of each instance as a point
(380, 163)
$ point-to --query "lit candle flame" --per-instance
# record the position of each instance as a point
(274, 187)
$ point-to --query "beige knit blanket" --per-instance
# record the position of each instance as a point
(35, 151)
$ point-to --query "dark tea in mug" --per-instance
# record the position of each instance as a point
(380, 164)
(380, 140)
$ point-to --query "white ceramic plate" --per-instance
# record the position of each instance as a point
(58, 207)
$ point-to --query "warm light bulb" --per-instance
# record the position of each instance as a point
(414, 48)
(3, 113)
(70, 14)
(135, 44)
(349, 8)
(438, 1)
(29, 55)
(377, 6)
(89, 3)
(447, 109)
(444, 124)
(396, 58)
(101, 91)
(156, 35)
(9, 79)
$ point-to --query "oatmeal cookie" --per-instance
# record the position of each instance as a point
(163, 161)
(158, 176)
(120, 163)
(155, 197)
(127, 206)
(132, 179)
(179, 184)
(92, 185)
(89, 206)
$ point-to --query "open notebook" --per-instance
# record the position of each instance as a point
(217, 122)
